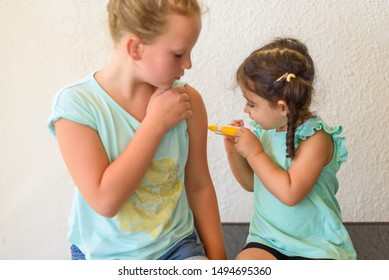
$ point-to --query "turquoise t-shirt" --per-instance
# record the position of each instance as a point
(157, 216)
(313, 228)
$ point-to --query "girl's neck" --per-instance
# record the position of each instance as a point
(306, 117)
(120, 83)
(119, 80)
(282, 128)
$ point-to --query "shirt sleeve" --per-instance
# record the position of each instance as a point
(256, 129)
(71, 105)
(316, 124)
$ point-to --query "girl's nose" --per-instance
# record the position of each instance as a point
(245, 109)
(187, 62)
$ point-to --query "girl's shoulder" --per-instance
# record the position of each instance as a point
(315, 124)
(75, 102)
(256, 128)
(78, 91)
(194, 95)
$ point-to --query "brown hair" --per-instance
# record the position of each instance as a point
(145, 18)
(261, 72)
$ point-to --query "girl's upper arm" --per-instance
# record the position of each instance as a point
(197, 171)
(311, 157)
(200, 190)
(84, 155)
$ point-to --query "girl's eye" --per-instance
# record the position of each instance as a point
(248, 104)
(178, 55)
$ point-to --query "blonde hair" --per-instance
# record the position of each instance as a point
(145, 18)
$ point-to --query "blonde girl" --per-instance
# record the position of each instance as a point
(133, 138)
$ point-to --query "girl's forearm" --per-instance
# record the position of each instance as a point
(275, 179)
(241, 170)
(122, 177)
(203, 203)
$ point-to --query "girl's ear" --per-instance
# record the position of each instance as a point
(134, 47)
(283, 107)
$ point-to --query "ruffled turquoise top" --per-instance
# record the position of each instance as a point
(313, 228)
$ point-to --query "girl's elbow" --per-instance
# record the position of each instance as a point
(108, 214)
(248, 188)
(289, 203)
(291, 200)
(106, 210)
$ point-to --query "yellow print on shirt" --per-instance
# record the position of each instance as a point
(153, 203)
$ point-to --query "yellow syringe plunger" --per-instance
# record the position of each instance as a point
(227, 130)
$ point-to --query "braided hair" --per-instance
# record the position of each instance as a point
(281, 70)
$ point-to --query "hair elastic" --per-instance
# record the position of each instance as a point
(286, 76)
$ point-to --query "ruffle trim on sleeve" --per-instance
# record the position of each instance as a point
(257, 130)
(315, 124)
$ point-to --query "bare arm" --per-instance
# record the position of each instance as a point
(199, 186)
(106, 186)
(289, 186)
(239, 166)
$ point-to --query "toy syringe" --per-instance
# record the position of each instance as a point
(227, 130)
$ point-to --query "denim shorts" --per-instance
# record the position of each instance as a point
(77, 255)
(189, 248)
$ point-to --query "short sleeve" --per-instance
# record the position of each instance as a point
(256, 128)
(315, 124)
(71, 105)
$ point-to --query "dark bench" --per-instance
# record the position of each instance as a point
(371, 240)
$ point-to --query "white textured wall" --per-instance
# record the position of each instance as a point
(46, 45)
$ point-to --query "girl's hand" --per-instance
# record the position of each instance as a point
(169, 107)
(229, 140)
(247, 144)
